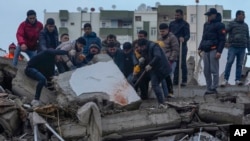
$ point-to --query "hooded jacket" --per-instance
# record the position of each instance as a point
(214, 35)
(28, 34)
(90, 38)
(48, 40)
(180, 28)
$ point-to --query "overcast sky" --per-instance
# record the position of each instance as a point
(13, 12)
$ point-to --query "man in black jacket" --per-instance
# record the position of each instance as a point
(42, 68)
(48, 37)
(212, 44)
(157, 66)
(180, 28)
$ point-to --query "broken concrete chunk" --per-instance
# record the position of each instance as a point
(221, 112)
(140, 119)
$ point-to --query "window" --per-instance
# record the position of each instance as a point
(63, 23)
(193, 37)
(138, 29)
(153, 31)
(137, 18)
(193, 18)
(103, 24)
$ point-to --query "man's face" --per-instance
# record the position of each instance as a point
(141, 36)
(11, 50)
(163, 32)
(64, 38)
(87, 30)
(31, 19)
(112, 50)
(141, 48)
(240, 17)
(93, 50)
(79, 46)
(51, 28)
(109, 40)
(178, 16)
(211, 17)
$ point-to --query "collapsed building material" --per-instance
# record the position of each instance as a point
(221, 112)
(140, 119)
(103, 80)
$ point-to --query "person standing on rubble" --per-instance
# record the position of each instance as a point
(170, 46)
(42, 68)
(238, 41)
(212, 44)
(157, 66)
(180, 28)
(27, 36)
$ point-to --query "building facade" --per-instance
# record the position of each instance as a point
(125, 24)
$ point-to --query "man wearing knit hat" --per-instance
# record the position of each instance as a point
(93, 50)
(27, 36)
(10, 55)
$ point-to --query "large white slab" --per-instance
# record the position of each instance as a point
(103, 77)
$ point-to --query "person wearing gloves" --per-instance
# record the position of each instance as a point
(65, 62)
(156, 65)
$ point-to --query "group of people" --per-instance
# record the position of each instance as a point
(142, 60)
(213, 42)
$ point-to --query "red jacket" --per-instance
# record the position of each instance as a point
(29, 34)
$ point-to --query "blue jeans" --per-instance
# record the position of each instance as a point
(17, 53)
(239, 53)
(36, 75)
(155, 82)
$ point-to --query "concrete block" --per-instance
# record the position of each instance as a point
(246, 119)
(73, 130)
(10, 122)
(140, 119)
(221, 112)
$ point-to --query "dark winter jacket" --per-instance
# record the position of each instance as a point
(180, 28)
(156, 58)
(238, 34)
(45, 61)
(90, 39)
(129, 62)
(214, 35)
(48, 40)
(118, 58)
(28, 34)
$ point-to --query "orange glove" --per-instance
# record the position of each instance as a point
(137, 69)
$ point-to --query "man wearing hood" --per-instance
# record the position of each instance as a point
(93, 50)
(90, 38)
(180, 28)
(48, 37)
(212, 44)
(27, 36)
(238, 41)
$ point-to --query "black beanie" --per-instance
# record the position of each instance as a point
(31, 12)
(81, 40)
(163, 26)
(50, 21)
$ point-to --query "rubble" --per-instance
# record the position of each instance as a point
(77, 114)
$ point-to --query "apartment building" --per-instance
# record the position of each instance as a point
(125, 24)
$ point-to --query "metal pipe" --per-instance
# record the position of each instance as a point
(35, 132)
(54, 132)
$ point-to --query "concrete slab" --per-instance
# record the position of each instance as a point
(140, 119)
(73, 130)
(221, 112)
